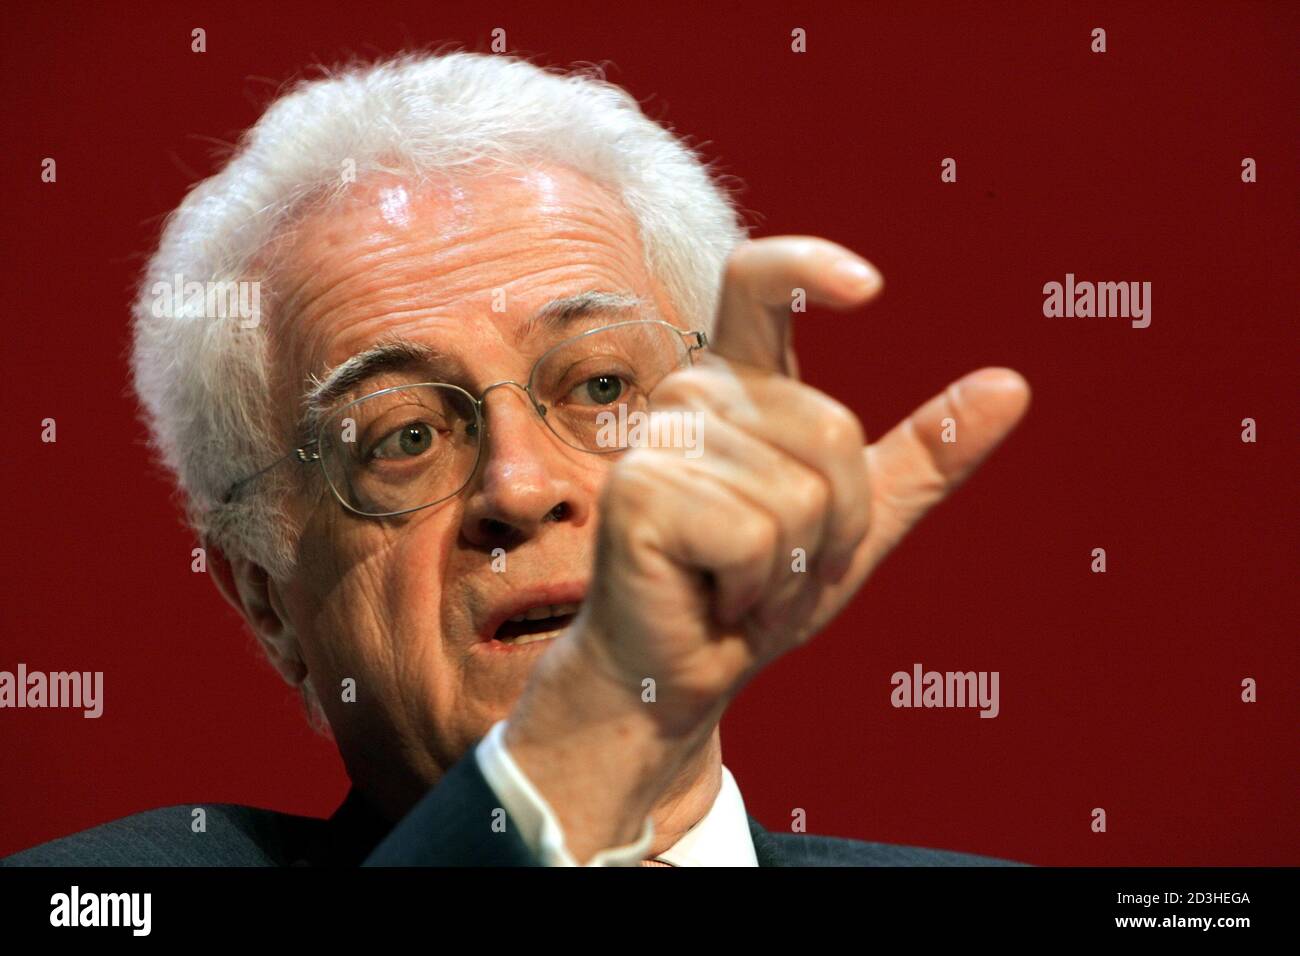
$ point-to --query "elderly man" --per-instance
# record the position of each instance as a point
(427, 470)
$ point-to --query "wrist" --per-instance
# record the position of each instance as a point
(592, 747)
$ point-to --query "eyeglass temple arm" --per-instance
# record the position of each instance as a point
(303, 455)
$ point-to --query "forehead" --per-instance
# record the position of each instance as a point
(458, 262)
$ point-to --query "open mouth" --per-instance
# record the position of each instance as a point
(539, 623)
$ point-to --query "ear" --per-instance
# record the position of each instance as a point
(251, 591)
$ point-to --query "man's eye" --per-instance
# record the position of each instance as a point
(600, 390)
(410, 440)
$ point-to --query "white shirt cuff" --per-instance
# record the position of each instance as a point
(533, 816)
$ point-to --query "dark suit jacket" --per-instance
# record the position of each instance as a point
(450, 826)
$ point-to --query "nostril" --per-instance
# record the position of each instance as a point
(493, 528)
(558, 513)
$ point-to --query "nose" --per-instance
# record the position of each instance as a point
(525, 478)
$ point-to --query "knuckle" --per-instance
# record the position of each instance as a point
(839, 429)
(756, 539)
(809, 497)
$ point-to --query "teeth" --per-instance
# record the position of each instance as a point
(545, 611)
(529, 638)
(537, 614)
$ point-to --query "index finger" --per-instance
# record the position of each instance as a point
(760, 285)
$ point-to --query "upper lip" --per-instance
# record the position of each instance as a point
(520, 601)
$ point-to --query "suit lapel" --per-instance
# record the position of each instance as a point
(766, 849)
(349, 836)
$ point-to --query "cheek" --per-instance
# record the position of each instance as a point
(372, 591)
(414, 569)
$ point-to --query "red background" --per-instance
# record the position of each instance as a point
(1119, 690)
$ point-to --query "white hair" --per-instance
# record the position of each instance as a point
(204, 382)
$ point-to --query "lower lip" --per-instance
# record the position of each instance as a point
(493, 646)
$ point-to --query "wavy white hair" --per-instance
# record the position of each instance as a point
(203, 382)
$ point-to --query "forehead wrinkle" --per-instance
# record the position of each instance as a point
(391, 285)
(384, 254)
(315, 295)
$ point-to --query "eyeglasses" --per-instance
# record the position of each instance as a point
(409, 447)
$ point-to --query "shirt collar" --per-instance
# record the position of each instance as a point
(722, 836)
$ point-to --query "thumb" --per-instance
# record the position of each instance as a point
(932, 451)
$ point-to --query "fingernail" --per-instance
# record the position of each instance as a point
(855, 276)
(989, 381)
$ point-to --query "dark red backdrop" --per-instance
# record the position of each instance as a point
(1119, 690)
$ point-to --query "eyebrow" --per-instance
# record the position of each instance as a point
(560, 314)
(399, 354)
